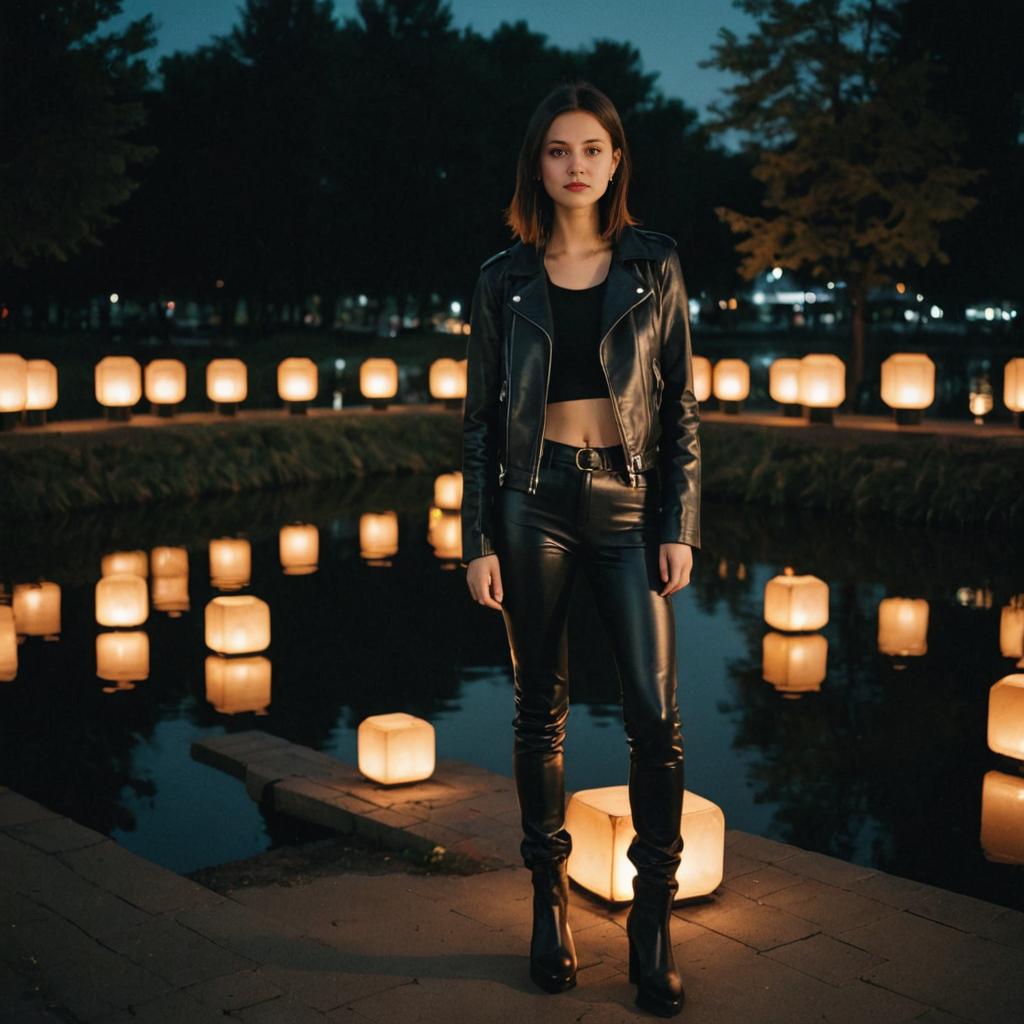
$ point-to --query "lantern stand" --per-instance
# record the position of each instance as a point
(453, 403)
(165, 410)
(908, 417)
(226, 408)
(34, 417)
(9, 420)
(792, 409)
(821, 414)
(118, 413)
(378, 403)
(730, 405)
(297, 408)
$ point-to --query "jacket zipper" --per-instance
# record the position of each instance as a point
(534, 476)
(502, 468)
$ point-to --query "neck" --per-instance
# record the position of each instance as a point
(576, 233)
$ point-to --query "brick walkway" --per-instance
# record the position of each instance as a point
(94, 933)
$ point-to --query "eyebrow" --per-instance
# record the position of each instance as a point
(562, 142)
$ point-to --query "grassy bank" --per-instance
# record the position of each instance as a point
(909, 478)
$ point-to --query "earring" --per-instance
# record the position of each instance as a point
(612, 178)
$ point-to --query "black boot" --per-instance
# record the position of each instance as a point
(652, 966)
(552, 950)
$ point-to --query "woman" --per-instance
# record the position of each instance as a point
(580, 451)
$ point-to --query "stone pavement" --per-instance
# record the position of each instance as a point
(93, 933)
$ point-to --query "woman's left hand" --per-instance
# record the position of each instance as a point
(675, 562)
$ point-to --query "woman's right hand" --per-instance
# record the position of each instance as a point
(483, 577)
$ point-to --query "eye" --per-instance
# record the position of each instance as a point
(595, 149)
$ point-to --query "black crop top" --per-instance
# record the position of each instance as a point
(575, 363)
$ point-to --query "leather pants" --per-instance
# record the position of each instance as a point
(595, 521)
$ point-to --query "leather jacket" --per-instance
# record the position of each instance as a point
(645, 351)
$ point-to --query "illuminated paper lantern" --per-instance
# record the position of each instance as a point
(601, 825)
(1011, 630)
(230, 563)
(822, 385)
(1013, 385)
(297, 379)
(236, 685)
(41, 385)
(448, 491)
(908, 384)
(169, 561)
(8, 645)
(731, 381)
(395, 748)
(36, 609)
(444, 534)
(237, 625)
(227, 382)
(1002, 818)
(169, 594)
(118, 382)
(794, 664)
(1006, 716)
(166, 382)
(13, 382)
(784, 381)
(378, 535)
(448, 380)
(701, 378)
(134, 563)
(122, 657)
(903, 626)
(795, 602)
(378, 380)
(122, 600)
(299, 548)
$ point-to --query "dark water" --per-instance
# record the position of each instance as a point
(882, 763)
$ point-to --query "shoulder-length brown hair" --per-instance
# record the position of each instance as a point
(531, 211)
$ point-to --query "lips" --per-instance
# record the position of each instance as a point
(577, 186)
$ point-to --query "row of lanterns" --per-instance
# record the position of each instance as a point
(29, 386)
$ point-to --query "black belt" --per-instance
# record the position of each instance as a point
(557, 454)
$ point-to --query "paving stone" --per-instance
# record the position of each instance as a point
(327, 989)
(834, 909)
(230, 753)
(825, 958)
(246, 932)
(761, 881)
(830, 870)
(1007, 928)
(285, 1009)
(45, 942)
(135, 880)
(963, 912)
(235, 991)
(173, 1008)
(435, 835)
(16, 809)
(52, 835)
(769, 851)
(737, 864)
(892, 890)
(17, 909)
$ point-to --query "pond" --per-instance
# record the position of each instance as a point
(865, 744)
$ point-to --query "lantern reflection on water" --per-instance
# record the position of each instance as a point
(1002, 818)
(135, 563)
(121, 600)
(903, 626)
(8, 645)
(36, 609)
(230, 563)
(794, 664)
(299, 549)
(444, 534)
(378, 535)
(1006, 716)
(237, 625)
(236, 685)
(122, 657)
(602, 829)
(169, 583)
(701, 378)
(448, 491)
(395, 748)
(795, 602)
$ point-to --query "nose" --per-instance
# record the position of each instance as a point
(575, 166)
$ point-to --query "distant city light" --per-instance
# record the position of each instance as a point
(776, 272)
(919, 297)
(114, 297)
(219, 282)
(810, 297)
(831, 284)
(455, 307)
(758, 298)
(363, 300)
(935, 313)
(900, 287)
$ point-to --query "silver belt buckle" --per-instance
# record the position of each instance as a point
(588, 469)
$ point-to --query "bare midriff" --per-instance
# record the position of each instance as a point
(582, 422)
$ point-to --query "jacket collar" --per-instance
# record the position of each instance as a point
(624, 288)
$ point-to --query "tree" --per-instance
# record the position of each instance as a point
(859, 170)
(71, 101)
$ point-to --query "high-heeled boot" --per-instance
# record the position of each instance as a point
(552, 950)
(652, 965)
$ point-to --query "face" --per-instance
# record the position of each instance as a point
(577, 148)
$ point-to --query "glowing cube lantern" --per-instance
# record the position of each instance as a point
(166, 384)
(903, 626)
(227, 383)
(1013, 385)
(378, 535)
(1006, 716)
(822, 385)
(236, 685)
(299, 548)
(731, 383)
(135, 563)
(602, 829)
(118, 383)
(448, 491)
(13, 382)
(396, 748)
(794, 663)
(239, 624)
(297, 382)
(8, 645)
(378, 381)
(793, 603)
(1002, 818)
(40, 390)
(169, 580)
(908, 385)
(122, 600)
(37, 609)
(784, 384)
(1011, 630)
(230, 563)
(701, 378)
(444, 534)
(448, 380)
(122, 657)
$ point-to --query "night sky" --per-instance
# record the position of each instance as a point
(671, 35)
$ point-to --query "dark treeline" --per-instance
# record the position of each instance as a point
(303, 155)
